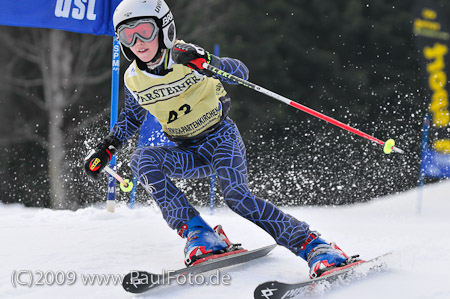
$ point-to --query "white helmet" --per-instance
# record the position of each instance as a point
(156, 9)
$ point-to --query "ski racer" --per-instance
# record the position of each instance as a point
(166, 77)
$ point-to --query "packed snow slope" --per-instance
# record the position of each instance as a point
(92, 241)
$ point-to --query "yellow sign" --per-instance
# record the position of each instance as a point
(428, 26)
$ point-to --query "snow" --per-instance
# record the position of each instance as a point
(92, 241)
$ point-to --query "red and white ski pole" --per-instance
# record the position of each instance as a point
(388, 146)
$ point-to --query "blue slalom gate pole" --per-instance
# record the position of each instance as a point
(111, 197)
(132, 198)
(212, 193)
(424, 150)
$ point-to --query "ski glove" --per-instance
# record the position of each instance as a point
(100, 156)
(194, 56)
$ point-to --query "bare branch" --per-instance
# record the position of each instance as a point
(26, 83)
(19, 48)
(92, 80)
(25, 95)
(82, 60)
(21, 138)
(89, 52)
(85, 82)
(22, 132)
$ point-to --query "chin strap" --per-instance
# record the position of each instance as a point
(162, 53)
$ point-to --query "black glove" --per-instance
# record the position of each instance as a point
(194, 56)
(100, 156)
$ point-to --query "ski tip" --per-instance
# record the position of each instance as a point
(268, 248)
(140, 281)
(271, 246)
(306, 288)
(269, 289)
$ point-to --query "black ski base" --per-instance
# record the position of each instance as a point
(317, 286)
(142, 281)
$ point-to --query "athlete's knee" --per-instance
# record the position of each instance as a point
(144, 158)
(134, 160)
(236, 199)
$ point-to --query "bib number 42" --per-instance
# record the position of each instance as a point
(173, 115)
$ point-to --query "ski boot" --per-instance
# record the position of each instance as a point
(324, 258)
(204, 243)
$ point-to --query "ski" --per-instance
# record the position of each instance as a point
(317, 286)
(142, 281)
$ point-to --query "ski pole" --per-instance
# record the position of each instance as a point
(125, 184)
(389, 145)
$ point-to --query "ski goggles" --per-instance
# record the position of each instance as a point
(144, 29)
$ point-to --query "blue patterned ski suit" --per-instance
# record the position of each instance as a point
(222, 152)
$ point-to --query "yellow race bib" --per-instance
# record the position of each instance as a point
(185, 102)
